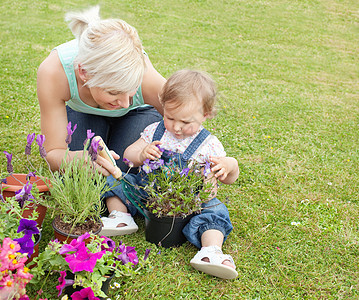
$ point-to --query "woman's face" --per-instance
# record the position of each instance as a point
(111, 100)
(185, 120)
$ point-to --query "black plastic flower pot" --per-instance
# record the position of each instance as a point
(165, 231)
(69, 290)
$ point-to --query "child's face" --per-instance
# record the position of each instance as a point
(185, 120)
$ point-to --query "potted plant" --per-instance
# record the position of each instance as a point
(172, 195)
(24, 186)
(75, 189)
(85, 269)
(75, 192)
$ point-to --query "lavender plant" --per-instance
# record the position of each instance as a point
(75, 189)
(175, 191)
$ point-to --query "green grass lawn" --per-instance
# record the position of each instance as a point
(287, 72)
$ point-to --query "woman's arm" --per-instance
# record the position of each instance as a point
(152, 84)
(53, 91)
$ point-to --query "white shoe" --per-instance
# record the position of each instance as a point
(215, 266)
(115, 218)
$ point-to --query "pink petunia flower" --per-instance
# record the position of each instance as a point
(84, 294)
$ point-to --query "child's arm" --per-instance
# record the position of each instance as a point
(225, 169)
(140, 150)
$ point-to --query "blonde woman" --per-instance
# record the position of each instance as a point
(103, 81)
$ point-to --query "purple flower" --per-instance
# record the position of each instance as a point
(94, 148)
(147, 167)
(184, 172)
(147, 253)
(30, 139)
(82, 260)
(9, 167)
(28, 227)
(69, 133)
(74, 244)
(111, 245)
(207, 169)
(155, 164)
(3, 180)
(160, 148)
(24, 194)
(30, 174)
(26, 244)
(128, 163)
(40, 139)
(128, 254)
(63, 282)
(89, 136)
(84, 294)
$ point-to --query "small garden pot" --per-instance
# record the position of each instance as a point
(16, 182)
(165, 231)
(36, 249)
(69, 290)
(65, 237)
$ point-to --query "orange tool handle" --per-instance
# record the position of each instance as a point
(105, 153)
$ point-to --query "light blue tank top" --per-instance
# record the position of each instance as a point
(67, 53)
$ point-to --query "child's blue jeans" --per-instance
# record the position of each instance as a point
(213, 216)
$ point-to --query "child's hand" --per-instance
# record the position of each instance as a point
(220, 167)
(225, 169)
(151, 151)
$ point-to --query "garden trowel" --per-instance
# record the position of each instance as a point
(105, 153)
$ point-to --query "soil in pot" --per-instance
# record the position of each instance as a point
(67, 232)
(165, 231)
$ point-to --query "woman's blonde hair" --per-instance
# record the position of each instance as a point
(186, 85)
(110, 51)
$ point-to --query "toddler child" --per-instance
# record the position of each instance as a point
(188, 99)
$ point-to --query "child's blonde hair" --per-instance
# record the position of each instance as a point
(185, 85)
(110, 51)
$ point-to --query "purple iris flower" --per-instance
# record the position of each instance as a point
(89, 136)
(63, 282)
(26, 244)
(84, 294)
(82, 260)
(207, 169)
(9, 166)
(184, 172)
(94, 148)
(28, 227)
(128, 254)
(30, 139)
(40, 139)
(24, 194)
(69, 133)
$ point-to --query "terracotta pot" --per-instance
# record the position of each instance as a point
(15, 183)
(165, 231)
(65, 237)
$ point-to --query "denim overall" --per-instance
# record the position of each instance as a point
(214, 214)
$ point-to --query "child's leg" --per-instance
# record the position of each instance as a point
(119, 221)
(208, 230)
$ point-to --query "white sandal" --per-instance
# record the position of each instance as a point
(111, 222)
(215, 265)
